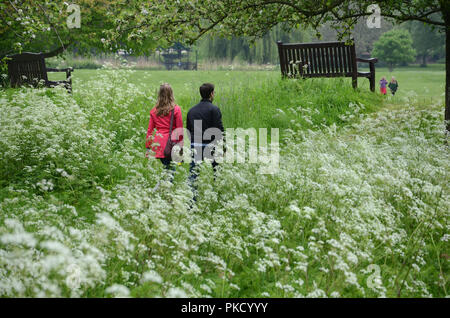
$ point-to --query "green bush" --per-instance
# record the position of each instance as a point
(44, 135)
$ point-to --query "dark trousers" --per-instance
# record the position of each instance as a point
(168, 166)
(197, 158)
(166, 162)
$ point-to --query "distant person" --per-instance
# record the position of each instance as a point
(393, 85)
(200, 118)
(160, 117)
(383, 83)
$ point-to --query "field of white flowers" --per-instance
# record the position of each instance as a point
(357, 210)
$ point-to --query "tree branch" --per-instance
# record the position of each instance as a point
(51, 24)
(306, 13)
(57, 51)
(397, 17)
(210, 27)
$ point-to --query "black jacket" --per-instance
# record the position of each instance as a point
(210, 117)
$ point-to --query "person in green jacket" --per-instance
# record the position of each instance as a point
(393, 85)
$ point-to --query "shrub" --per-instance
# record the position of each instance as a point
(45, 140)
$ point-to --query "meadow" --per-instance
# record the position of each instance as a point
(359, 208)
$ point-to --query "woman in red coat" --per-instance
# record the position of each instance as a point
(159, 124)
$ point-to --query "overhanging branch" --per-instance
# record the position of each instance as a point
(56, 52)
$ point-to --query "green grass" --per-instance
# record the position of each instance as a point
(361, 183)
(251, 99)
(427, 82)
(245, 104)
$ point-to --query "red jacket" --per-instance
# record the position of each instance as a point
(162, 125)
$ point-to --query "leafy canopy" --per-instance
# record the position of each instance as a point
(40, 26)
(395, 47)
(426, 40)
(140, 25)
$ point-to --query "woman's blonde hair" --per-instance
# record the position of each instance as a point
(165, 102)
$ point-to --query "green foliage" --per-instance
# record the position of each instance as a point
(260, 51)
(353, 190)
(42, 26)
(394, 47)
(427, 41)
(139, 26)
(4, 82)
(47, 137)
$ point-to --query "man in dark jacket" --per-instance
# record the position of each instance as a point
(204, 123)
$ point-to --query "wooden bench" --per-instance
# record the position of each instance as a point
(323, 59)
(29, 68)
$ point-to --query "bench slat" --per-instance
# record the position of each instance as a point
(312, 44)
(291, 68)
(319, 59)
(305, 61)
(323, 59)
(308, 60)
(296, 59)
(341, 69)
(344, 61)
(349, 59)
(336, 60)
(330, 59)
(323, 64)
(316, 60)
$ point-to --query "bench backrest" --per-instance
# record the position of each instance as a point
(27, 68)
(322, 59)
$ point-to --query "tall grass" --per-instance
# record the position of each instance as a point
(357, 191)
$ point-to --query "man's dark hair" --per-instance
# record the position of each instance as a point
(206, 90)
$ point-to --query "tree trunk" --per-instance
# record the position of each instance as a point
(424, 60)
(391, 67)
(447, 74)
(445, 8)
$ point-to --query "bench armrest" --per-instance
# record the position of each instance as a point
(68, 72)
(69, 69)
(370, 60)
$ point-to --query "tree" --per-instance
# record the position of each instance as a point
(364, 40)
(394, 47)
(42, 26)
(191, 19)
(263, 50)
(138, 24)
(426, 40)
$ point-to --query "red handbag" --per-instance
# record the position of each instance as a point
(170, 144)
